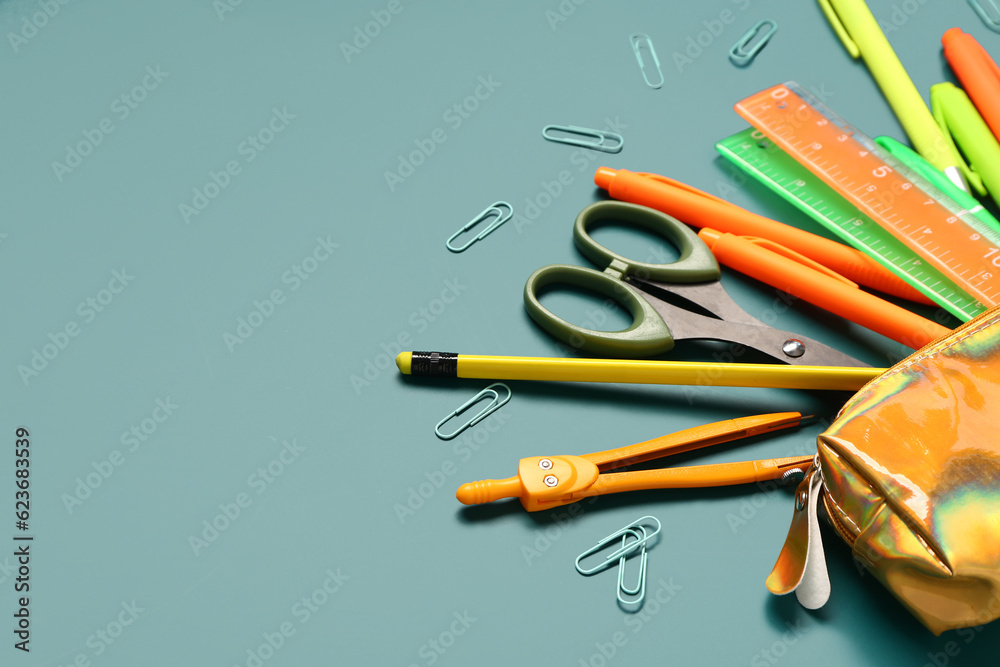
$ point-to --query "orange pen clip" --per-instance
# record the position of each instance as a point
(543, 482)
(788, 253)
(790, 272)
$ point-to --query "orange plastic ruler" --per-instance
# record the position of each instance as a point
(934, 227)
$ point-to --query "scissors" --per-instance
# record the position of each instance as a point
(691, 282)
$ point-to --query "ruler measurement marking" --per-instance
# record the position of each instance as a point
(822, 133)
(767, 162)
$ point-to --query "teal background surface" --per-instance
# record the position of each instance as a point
(226, 467)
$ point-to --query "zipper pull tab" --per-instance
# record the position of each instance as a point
(801, 565)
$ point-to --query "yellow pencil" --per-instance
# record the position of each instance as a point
(554, 369)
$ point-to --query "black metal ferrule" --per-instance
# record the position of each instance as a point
(436, 364)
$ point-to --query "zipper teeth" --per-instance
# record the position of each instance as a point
(992, 312)
(838, 524)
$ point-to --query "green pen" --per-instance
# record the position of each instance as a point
(912, 160)
(958, 118)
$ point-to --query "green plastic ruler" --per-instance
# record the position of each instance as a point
(763, 160)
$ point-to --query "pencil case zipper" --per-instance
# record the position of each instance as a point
(818, 561)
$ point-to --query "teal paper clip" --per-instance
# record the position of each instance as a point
(625, 549)
(631, 599)
(637, 40)
(615, 147)
(495, 404)
(501, 218)
(760, 34)
(991, 22)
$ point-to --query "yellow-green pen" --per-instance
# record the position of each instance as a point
(861, 35)
(554, 369)
(959, 119)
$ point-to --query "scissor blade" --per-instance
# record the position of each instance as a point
(709, 297)
(784, 346)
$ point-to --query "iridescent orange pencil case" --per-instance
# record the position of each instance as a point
(909, 476)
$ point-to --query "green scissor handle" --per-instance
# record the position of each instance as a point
(696, 263)
(648, 335)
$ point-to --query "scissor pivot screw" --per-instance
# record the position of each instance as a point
(545, 464)
(793, 347)
(550, 480)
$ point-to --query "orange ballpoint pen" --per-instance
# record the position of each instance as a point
(543, 482)
(790, 272)
(701, 209)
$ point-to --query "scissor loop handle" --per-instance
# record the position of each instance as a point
(648, 336)
(696, 263)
